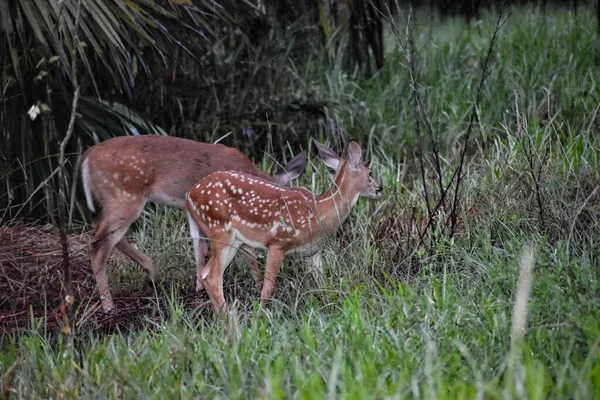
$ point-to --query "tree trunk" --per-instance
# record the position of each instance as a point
(366, 31)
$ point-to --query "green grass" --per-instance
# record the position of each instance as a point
(441, 336)
(394, 320)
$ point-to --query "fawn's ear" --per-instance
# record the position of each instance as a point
(329, 157)
(291, 170)
(354, 154)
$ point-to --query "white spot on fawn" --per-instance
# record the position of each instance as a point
(273, 230)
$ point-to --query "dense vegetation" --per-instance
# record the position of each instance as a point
(414, 304)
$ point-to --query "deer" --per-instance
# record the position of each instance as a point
(124, 173)
(235, 209)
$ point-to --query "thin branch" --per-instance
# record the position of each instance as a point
(69, 299)
(484, 74)
(418, 100)
(529, 151)
(579, 211)
(536, 181)
(420, 113)
(410, 58)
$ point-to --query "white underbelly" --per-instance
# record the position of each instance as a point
(166, 200)
(248, 242)
(305, 251)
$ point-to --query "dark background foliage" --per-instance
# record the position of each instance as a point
(199, 69)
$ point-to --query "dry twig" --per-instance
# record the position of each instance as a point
(69, 298)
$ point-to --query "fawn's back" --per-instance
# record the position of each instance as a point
(260, 212)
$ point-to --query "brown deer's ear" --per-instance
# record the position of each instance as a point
(291, 170)
(354, 154)
(329, 157)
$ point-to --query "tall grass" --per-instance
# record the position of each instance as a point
(394, 319)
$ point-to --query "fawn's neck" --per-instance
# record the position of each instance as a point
(333, 206)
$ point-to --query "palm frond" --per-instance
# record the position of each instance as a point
(113, 33)
(118, 41)
(31, 155)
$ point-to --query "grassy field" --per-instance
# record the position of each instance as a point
(394, 319)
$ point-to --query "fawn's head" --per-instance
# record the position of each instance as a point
(358, 175)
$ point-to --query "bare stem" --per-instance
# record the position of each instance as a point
(410, 58)
(69, 299)
(484, 74)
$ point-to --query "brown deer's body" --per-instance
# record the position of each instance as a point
(235, 209)
(124, 173)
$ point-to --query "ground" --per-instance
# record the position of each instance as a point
(31, 276)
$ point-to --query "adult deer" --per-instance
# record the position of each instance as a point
(235, 209)
(124, 173)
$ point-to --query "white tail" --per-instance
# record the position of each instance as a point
(85, 178)
(235, 209)
(124, 173)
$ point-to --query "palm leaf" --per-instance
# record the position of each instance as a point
(117, 40)
(110, 32)
(28, 190)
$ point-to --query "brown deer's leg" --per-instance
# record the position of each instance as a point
(250, 257)
(274, 259)
(315, 263)
(137, 256)
(110, 229)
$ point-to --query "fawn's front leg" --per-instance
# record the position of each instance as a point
(274, 258)
(223, 249)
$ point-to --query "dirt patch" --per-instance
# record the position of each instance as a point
(31, 284)
(30, 274)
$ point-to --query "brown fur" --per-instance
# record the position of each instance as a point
(236, 209)
(124, 173)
